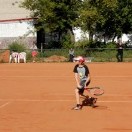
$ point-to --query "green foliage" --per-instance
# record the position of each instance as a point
(54, 15)
(90, 44)
(82, 43)
(99, 54)
(66, 41)
(109, 18)
(111, 45)
(16, 47)
(53, 45)
(29, 56)
(96, 44)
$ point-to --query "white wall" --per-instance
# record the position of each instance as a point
(80, 35)
(9, 9)
(17, 29)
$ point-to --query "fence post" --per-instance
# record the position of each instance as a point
(41, 47)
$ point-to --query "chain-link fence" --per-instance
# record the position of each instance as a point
(97, 55)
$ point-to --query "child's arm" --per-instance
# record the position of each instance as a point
(88, 79)
(77, 80)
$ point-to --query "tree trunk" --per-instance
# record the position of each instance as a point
(72, 37)
(90, 36)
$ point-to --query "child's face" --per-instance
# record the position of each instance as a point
(77, 62)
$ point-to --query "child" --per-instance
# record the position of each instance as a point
(82, 77)
(34, 51)
(34, 54)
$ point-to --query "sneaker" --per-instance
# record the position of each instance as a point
(78, 107)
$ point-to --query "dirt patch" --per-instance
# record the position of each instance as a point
(55, 58)
(4, 56)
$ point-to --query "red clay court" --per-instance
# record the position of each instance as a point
(38, 97)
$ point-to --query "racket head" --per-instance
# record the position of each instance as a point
(97, 91)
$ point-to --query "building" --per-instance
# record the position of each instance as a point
(15, 24)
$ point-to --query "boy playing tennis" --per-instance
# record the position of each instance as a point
(82, 77)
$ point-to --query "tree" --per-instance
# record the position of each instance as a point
(105, 18)
(108, 18)
(54, 15)
(95, 15)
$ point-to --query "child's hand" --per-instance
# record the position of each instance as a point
(85, 86)
(79, 86)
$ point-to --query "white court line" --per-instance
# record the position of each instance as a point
(63, 76)
(111, 95)
(56, 100)
(119, 101)
(4, 105)
(116, 95)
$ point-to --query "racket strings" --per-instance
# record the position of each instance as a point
(95, 91)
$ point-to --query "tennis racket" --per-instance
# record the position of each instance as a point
(97, 91)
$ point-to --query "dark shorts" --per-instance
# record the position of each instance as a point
(82, 83)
